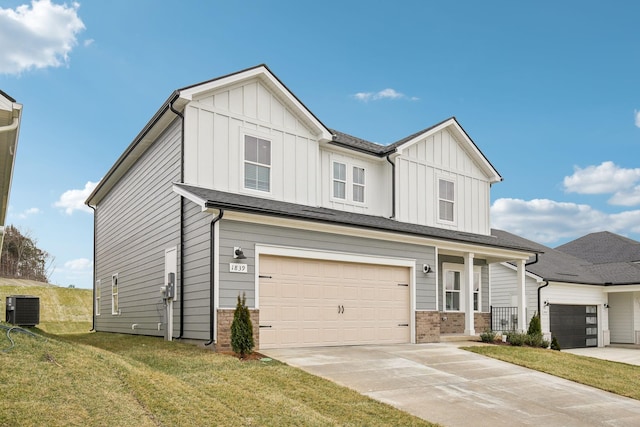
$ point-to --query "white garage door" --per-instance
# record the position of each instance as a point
(306, 302)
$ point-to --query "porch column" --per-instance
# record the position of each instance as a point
(522, 300)
(469, 327)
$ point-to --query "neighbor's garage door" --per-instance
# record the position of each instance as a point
(574, 326)
(306, 302)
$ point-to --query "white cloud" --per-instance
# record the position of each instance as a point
(383, 94)
(37, 36)
(636, 115)
(548, 221)
(80, 264)
(29, 212)
(88, 42)
(606, 178)
(72, 200)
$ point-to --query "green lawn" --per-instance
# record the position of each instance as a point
(125, 380)
(619, 378)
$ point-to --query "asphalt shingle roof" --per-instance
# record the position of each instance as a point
(242, 203)
(603, 247)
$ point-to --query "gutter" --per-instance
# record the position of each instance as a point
(179, 114)
(212, 270)
(393, 186)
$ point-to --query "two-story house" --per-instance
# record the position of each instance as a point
(235, 187)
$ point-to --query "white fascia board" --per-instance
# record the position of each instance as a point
(527, 273)
(444, 246)
(621, 288)
(266, 76)
(475, 152)
(190, 196)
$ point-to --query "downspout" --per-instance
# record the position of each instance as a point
(93, 302)
(543, 286)
(179, 114)
(212, 270)
(393, 186)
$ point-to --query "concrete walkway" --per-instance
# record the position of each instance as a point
(625, 354)
(453, 387)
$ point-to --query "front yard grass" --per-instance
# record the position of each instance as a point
(124, 380)
(618, 378)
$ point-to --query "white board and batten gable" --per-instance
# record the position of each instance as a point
(219, 117)
(442, 169)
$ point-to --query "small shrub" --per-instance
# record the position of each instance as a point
(535, 328)
(536, 340)
(488, 336)
(554, 344)
(516, 338)
(241, 329)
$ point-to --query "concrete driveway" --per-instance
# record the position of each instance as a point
(453, 387)
(625, 354)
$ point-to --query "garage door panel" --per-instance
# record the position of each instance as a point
(332, 303)
(574, 326)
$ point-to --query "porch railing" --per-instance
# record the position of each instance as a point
(504, 319)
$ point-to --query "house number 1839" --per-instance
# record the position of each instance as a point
(237, 268)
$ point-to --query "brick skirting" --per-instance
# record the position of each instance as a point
(453, 323)
(224, 320)
(427, 327)
(482, 322)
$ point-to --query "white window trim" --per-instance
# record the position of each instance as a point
(477, 269)
(349, 165)
(438, 199)
(334, 180)
(97, 299)
(115, 300)
(244, 133)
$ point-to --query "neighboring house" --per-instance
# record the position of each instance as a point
(235, 187)
(587, 291)
(10, 115)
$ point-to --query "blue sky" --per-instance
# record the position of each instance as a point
(549, 91)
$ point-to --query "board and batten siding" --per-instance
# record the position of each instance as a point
(215, 125)
(377, 197)
(441, 156)
(247, 235)
(621, 322)
(135, 222)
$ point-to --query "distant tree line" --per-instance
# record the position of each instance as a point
(21, 258)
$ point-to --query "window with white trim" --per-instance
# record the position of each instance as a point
(257, 163)
(348, 182)
(477, 286)
(452, 282)
(339, 180)
(97, 302)
(446, 200)
(115, 309)
(358, 184)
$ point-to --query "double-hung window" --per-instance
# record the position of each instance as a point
(339, 180)
(115, 309)
(452, 283)
(97, 302)
(476, 291)
(257, 163)
(348, 182)
(358, 184)
(446, 200)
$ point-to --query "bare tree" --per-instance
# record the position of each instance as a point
(21, 258)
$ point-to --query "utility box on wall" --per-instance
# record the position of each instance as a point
(23, 310)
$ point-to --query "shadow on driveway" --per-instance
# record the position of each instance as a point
(444, 384)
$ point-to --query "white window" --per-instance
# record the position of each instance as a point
(477, 285)
(339, 180)
(452, 281)
(358, 184)
(97, 309)
(114, 295)
(257, 163)
(446, 200)
(348, 182)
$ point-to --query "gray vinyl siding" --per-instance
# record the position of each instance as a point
(484, 278)
(245, 235)
(135, 223)
(197, 277)
(504, 289)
